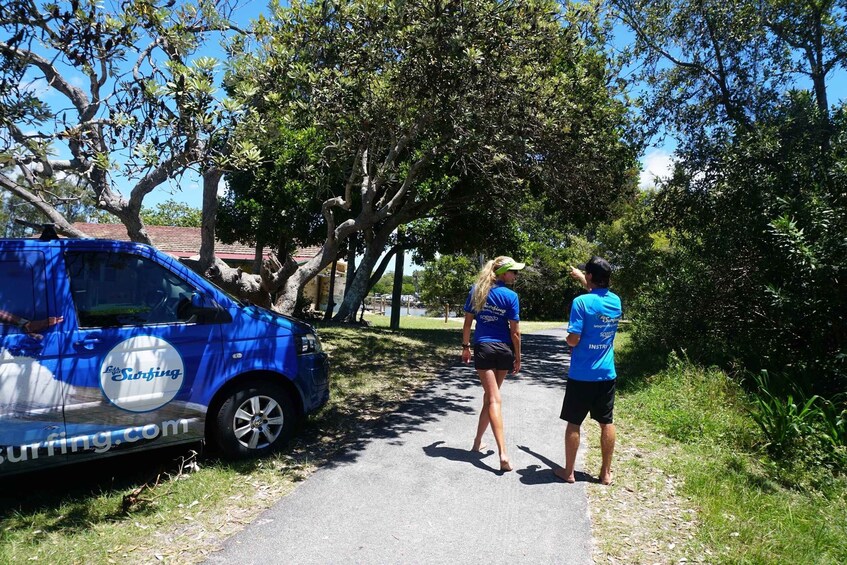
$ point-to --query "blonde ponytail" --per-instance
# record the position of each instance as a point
(485, 280)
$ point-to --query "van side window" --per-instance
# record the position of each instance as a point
(121, 289)
(22, 290)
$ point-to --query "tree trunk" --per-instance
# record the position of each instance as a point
(211, 179)
(352, 247)
(330, 299)
(361, 283)
(286, 302)
(238, 283)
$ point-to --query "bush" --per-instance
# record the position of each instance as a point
(755, 277)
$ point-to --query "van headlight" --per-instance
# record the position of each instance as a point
(308, 343)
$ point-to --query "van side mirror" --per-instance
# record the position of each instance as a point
(204, 309)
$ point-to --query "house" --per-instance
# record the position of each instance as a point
(184, 244)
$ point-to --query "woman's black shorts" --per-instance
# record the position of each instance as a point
(493, 355)
(582, 397)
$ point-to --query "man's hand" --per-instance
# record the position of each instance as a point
(578, 275)
(466, 355)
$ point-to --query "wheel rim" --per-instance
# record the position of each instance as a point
(258, 422)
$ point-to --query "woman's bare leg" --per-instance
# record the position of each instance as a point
(484, 420)
(492, 413)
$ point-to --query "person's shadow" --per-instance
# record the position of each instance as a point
(463, 455)
(536, 475)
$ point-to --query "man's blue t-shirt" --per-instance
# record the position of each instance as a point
(595, 317)
(492, 323)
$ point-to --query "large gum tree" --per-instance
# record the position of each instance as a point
(412, 99)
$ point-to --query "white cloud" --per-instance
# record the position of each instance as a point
(656, 164)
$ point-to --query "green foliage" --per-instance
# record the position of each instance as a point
(385, 285)
(447, 280)
(278, 203)
(755, 211)
(545, 286)
(635, 243)
(800, 430)
(783, 421)
(172, 213)
(122, 99)
(446, 111)
(755, 275)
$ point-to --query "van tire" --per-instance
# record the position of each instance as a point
(254, 420)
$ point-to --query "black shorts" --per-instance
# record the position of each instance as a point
(495, 355)
(582, 397)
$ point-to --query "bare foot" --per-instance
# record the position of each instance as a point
(605, 478)
(564, 475)
(479, 446)
(505, 465)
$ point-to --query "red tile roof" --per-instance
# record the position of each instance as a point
(185, 242)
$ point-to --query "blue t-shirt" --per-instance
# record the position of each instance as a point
(595, 317)
(492, 323)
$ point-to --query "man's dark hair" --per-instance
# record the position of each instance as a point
(600, 271)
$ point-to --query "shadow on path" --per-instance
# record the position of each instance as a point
(535, 475)
(545, 356)
(462, 455)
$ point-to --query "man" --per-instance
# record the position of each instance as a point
(591, 381)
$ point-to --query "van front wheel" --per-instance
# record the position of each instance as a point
(255, 420)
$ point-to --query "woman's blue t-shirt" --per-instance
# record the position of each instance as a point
(492, 323)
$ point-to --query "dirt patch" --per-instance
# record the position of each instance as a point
(641, 517)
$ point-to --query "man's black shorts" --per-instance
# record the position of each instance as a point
(582, 397)
(496, 356)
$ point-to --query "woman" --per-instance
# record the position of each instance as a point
(496, 344)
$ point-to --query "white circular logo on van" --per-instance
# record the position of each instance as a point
(142, 373)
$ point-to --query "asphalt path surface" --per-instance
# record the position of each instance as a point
(410, 491)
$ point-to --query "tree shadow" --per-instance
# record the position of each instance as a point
(335, 436)
(66, 491)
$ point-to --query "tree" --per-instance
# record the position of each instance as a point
(755, 209)
(411, 98)
(274, 204)
(445, 283)
(145, 113)
(386, 283)
(73, 202)
(172, 213)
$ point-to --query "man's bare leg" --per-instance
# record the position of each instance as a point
(571, 447)
(607, 447)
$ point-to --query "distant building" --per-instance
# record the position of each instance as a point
(184, 245)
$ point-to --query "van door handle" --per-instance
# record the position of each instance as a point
(87, 343)
(25, 350)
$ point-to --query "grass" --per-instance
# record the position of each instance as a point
(173, 506)
(689, 480)
(687, 459)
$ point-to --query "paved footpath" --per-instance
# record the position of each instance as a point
(411, 492)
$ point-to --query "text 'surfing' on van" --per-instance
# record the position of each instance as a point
(109, 347)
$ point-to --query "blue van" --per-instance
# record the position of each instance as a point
(109, 347)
